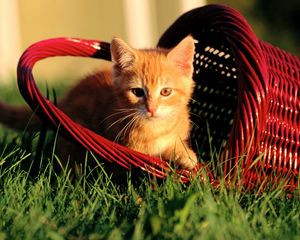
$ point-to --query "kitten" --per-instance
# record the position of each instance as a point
(142, 103)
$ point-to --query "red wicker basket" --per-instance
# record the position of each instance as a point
(245, 107)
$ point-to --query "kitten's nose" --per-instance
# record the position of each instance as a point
(151, 110)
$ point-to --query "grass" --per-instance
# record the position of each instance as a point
(45, 205)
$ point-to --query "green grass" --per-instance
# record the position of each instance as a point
(45, 205)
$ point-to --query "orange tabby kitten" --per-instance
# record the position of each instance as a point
(141, 103)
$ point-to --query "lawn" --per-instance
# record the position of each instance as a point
(38, 203)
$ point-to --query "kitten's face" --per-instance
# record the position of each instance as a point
(153, 84)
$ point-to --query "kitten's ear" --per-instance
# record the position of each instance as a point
(182, 56)
(122, 54)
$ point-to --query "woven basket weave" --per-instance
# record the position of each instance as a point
(245, 107)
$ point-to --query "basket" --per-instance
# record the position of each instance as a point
(245, 106)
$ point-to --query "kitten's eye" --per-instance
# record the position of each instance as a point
(166, 92)
(139, 92)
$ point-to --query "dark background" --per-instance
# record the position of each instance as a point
(274, 21)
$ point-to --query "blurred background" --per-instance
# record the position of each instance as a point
(140, 22)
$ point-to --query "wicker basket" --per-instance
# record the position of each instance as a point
(245, 107)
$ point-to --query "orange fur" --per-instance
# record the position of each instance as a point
(141, 103)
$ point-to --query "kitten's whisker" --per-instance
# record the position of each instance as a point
(121, 120)
(194, 100)
(195, 114)
(129, 126)
(124, 109)
(137, 143)
(193, 123)
(120, 111)
(121, 131)
(125, 128)
(110, 116)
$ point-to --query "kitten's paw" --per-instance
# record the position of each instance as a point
(187, 159)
